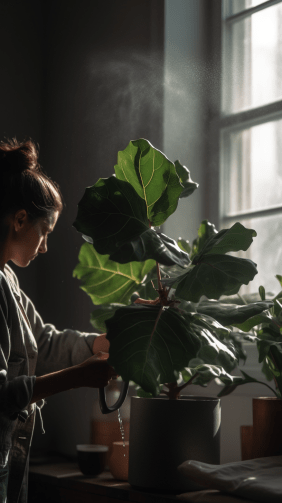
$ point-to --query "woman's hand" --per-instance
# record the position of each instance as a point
(101, 344)
(96, 372)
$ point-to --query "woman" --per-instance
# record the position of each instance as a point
(36, 360)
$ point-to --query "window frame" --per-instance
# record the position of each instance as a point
(220, 124)
(240, 120)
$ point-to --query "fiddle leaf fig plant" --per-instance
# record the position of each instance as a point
(105, 280)
(149, 287)
(266, 332)
(217, 274)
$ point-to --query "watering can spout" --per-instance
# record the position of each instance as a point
(102, 399)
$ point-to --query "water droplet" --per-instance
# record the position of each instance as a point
(121, 428)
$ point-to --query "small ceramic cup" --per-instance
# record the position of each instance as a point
(91, 458)
(118, 462)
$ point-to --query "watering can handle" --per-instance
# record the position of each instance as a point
(102, 399)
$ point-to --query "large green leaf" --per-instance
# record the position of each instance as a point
(231, 314)
(269, 341)
(220, 346)
(149, 355)
(214, 276)
(147, 289)
(205, 321)
(242, 300)
(171, 273)
(279, 278)
(237, 341)
(228, 240)
(153, 177)
(231, 385)
(211, 346)
(186, 307)
(262, 292)
(151, 245)
(106, 281)
(186, 180)
(111, 212)
(103, 313)
(278, 311)
(268, 345)
(113, 217)
(266, 370)
(206, 372)
(149, 345)
(205, 232)
(184, 245)
(247, 325)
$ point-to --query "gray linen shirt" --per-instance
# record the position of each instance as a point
(28, 348)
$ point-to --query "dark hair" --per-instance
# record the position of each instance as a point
(23, 183)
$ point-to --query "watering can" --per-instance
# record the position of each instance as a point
(102, 399)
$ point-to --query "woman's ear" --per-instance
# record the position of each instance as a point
(20, 219)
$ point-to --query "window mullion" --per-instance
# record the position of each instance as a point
(229, 19)
(252, 116)
(272, 210)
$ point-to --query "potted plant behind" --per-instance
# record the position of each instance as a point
(148, 287)
(264, 437)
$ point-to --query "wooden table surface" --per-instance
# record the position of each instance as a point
(64, 482)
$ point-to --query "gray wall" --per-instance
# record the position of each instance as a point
(82, 78)
(191, 106)
(21, 84)
(186, 105)
(101, 88)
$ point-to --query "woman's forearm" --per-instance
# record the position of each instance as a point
(56, 382)
(94, 372)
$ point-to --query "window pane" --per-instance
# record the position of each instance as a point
(255, 60)
(265, 251)
(239, 5)
(253, 171)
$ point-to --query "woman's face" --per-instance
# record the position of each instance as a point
(30, 237)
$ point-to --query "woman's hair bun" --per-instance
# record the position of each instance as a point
(18, 156)
(23, 183)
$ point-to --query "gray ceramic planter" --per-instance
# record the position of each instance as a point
(165, 433)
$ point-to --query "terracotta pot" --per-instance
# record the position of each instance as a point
(246, 442)
(118, 462)
(267, 431)
(264, 437)
(105, 433)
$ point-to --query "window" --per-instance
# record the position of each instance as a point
(251, 131)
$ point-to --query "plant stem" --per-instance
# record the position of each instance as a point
(242, 299)
(159, 276)
(189, 382)
(173, 392)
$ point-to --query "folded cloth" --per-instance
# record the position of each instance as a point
(259, 480)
